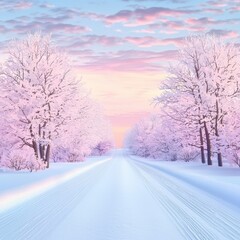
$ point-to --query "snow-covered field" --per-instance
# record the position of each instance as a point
(121, 197)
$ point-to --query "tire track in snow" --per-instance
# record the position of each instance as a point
(36, 218)
(227, 224)
(193, 216)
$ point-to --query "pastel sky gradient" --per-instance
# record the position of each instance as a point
(120, 48)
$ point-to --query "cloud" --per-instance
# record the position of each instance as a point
(130, 61)
(53, 19)
(67, 28)
(47, 5)
(174, 1)
(232, 6)
(171, 26)
(11, 5)
(142, 16)
(23, 27)
(152, 41)
(213, 10)
(88, 40)
(235, 9)
(76, 13)
(209, 21)
(224, 33)
(3, 29)
(218, 4)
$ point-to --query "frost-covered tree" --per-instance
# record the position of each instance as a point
(37, 90)
(231, 133)
(87, 131)
(207, 74)
(101, 148)
(199, 106)
(159, 137)
(138, 138)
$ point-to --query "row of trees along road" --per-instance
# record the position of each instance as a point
(42, 103)
(199, 104)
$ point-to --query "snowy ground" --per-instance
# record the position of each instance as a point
(120, 198)
(223, 183)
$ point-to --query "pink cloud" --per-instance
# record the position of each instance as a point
(144, 41)
(174, 1)
(223, 5)
(218, 4)
(235, 9)
(86, 53)
(3, 29)
(130, 61)
(15, 5)
(150, 31)
(170, 27)
(52, 19)
(76, 13)
(174, 41)
(47, 5)
(224, 33)
(203, 20)
(122, 16)
(194, 24)
(145, 15)
(21, 27)
(214, 10)
(69, 28)
(176, 26)
(23, 5)
(152, 41)
(119, 64)
(88, 40)
(209, 21)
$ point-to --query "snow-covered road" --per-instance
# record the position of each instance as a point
(121, 199)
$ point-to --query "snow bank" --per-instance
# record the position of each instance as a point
(22, 186)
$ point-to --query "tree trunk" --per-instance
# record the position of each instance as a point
(219, 154)
(41, 151)
(202, 147)
(40, 145)
(44, 152)
(35, 148)
(48, 155)
(208, 141)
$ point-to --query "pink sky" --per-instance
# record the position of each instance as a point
(120, 48)
(125, 96)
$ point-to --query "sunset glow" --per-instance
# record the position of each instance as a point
(121, 48)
